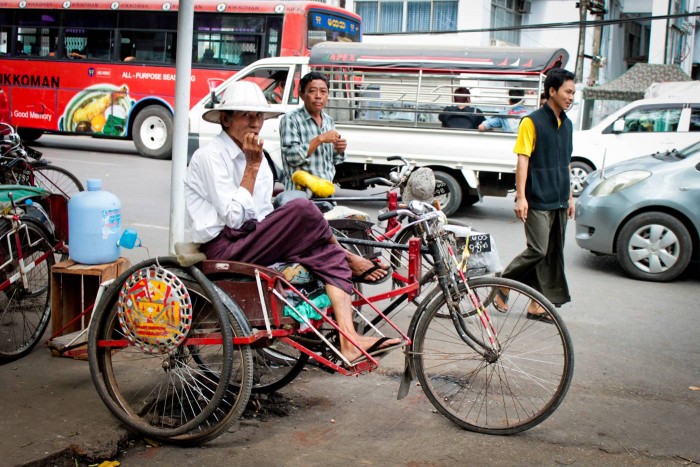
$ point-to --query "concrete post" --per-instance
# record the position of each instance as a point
(658, 35)
(183, 72)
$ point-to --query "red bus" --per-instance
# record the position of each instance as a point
(107, 67)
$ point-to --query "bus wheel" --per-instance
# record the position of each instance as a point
(28, 135)
(153, 132)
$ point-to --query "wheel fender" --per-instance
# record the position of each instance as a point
(227, 301)
(233, 308)
(471, 178)
(409, 373)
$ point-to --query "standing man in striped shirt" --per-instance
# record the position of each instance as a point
(308, 137)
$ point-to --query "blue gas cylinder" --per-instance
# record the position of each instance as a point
(94, 225)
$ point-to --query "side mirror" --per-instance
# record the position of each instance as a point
(212, 101)
(619, 125)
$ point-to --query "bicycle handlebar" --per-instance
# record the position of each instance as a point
(398, 212)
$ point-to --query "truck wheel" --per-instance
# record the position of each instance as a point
(28, 135)
(153, 132)
(579, 172)
(452, 200)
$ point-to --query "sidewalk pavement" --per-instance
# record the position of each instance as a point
(51, 411)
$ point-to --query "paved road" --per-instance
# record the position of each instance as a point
(636, 346)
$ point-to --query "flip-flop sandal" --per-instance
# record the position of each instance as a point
(544, 317)
(377, 349)
(362, 278)
(504, 299)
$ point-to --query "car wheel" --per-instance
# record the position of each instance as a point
(451, 201)
(578, 174)
(654, 246)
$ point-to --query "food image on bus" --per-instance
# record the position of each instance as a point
(101, 109)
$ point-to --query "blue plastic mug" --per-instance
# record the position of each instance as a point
(129, 239)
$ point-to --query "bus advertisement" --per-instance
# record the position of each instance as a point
(107, 67)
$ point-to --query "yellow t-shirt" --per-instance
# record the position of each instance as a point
(525, 143)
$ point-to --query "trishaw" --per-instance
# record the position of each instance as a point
(177, 344)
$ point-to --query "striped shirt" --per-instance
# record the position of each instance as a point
(297, 129)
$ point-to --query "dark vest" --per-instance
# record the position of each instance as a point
(547, 187)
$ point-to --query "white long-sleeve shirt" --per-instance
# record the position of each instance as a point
(213, 193)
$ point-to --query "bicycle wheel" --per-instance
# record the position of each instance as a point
(276, 366)
(57, 180)
(25, 308)
(237, 392)
(171, 387)
(504, 391)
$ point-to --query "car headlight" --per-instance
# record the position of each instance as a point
(619, 181)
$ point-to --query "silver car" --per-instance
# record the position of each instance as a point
(646, 211)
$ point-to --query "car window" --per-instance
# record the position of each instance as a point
(695, 119)
(654, 120)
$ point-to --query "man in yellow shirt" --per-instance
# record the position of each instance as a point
(543, 199)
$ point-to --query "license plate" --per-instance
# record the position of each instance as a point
(441, 188)
(479, 243)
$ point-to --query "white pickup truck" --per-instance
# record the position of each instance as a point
(386, 101)
(641, 127)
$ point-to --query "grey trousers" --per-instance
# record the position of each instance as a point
(541, 264)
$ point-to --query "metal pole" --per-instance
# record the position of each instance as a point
(183, 72)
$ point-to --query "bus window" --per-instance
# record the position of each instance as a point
(89, 34)
(325, 26)
(228, 40)
(149, 46)
(37, 33)
(6, 20)
(148, 36)
(274, 32)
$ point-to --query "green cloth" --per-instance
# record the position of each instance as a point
(321, 302)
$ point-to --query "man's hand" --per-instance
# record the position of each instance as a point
(331, 136)
(252, 148)
(571, 212)
(521, 207)
(340, 145)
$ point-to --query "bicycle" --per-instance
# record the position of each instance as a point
(487, 371)
(22, 165)
(27, 246)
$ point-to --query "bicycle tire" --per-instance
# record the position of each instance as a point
(25, 311)
(503, 393)
(276, 366)
(57, 180)
(143, 389)
(235, 398)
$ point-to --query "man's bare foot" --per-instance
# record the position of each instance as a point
(352, 353)
(359, 267)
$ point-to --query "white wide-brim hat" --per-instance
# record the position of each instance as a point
(243, 96)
